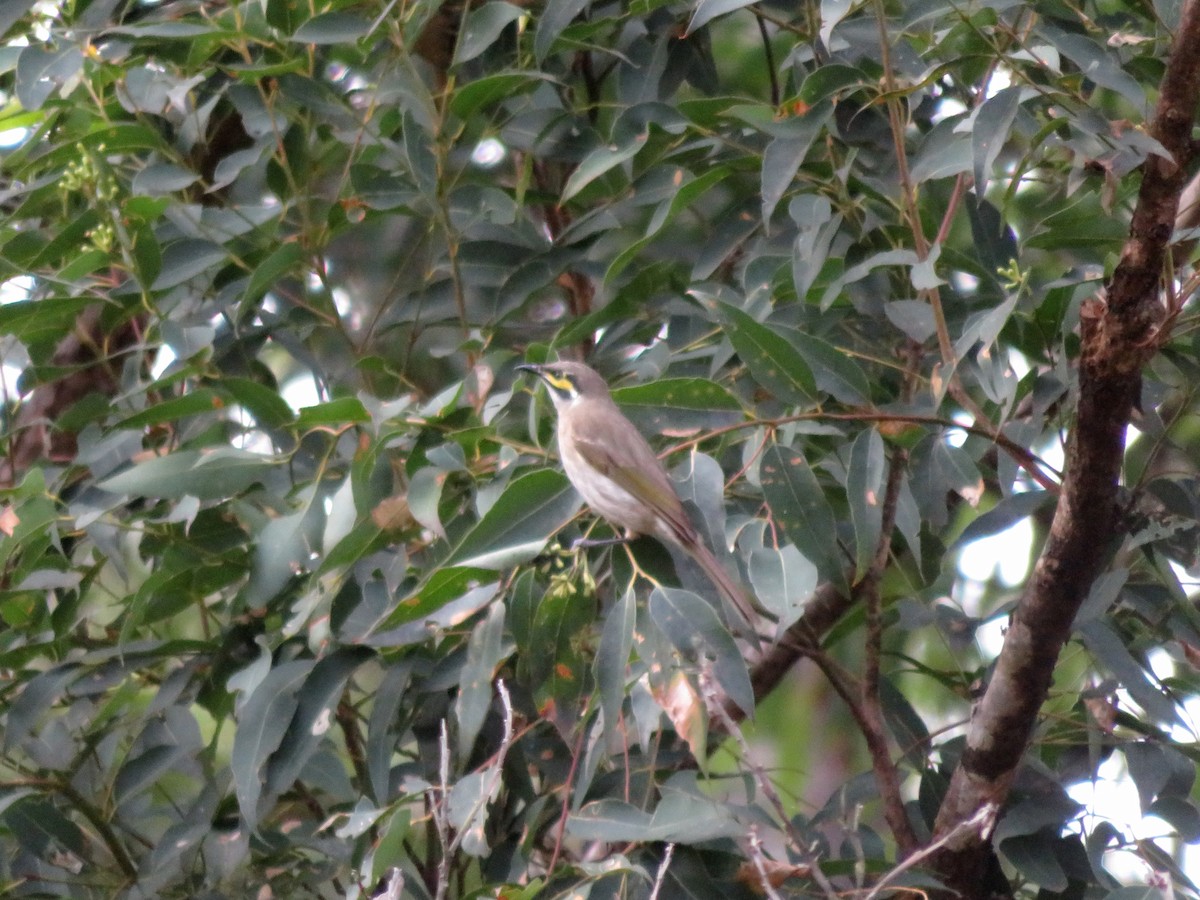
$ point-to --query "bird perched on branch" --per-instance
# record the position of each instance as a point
(618, 475)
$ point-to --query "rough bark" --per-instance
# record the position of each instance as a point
(1120, 331)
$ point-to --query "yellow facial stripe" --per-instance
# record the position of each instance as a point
(559, 382)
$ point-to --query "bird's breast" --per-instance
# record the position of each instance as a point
(605, 497)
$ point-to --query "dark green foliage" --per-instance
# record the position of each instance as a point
(286, 599)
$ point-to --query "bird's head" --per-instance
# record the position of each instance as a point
(569, 382)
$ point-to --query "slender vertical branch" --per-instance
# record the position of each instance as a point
(769, 59)
(887, 777)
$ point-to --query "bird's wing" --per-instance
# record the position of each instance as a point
(625, 457)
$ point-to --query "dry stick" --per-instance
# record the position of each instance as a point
(756, 854)
(439, 809)
(983, 821)
(441, 805)
(716, 705)
(668, 852)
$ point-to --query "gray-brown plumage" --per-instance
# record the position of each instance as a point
(619, 476)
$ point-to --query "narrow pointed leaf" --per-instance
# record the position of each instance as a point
(799, 507)
(485, 650)
(516, 528)
(864, 491)
(772, 360)
(694, 628)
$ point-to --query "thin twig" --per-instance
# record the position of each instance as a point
(668, 852)
(439, 809)
(794, 838)
(1022, 456)
(886, 777)
(983, 820)
(560, 833)
(760, 864)
(768, 59)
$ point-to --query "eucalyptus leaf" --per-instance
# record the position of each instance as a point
(693, 627)
(801, 510)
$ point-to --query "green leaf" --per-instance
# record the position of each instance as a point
(1181, 814)
(558, 668)
(531, 509)
(193, 403)
(483, 92)
(601, 160)
(832, 12)
(678, 404)
(783, 581)
(443, 588)
(334, 414)
(187, 259)
(483, 26)
(781, 162)
(707, 10)
(990, 130)
(263, 720)
(485, 651)
(835, 372)
(268, 408)
(686, 816)
(280, 262)
(690, 190)
(774, 363)
(208, 475)
(612, 664)
(388, 696)
(40, 693)
(858, 272)
(906, 725)
(46, 319)
(1035, 858)
(41, 72)
(1004, 515)
(610, 821)
(693, 626)
(282, 546)
(181, 30)
(799, 507)
(864, 491)
(332, 28)
(554, 19)
(1110, 651)
(163, 178)
(12, 12)
(1096, 63)
(313, 719)
(827, 80)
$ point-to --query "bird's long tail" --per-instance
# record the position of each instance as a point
(749, 611)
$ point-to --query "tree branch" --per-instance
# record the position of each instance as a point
(887, 778)
(1120, 331)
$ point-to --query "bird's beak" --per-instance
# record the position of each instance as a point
(530, 367)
